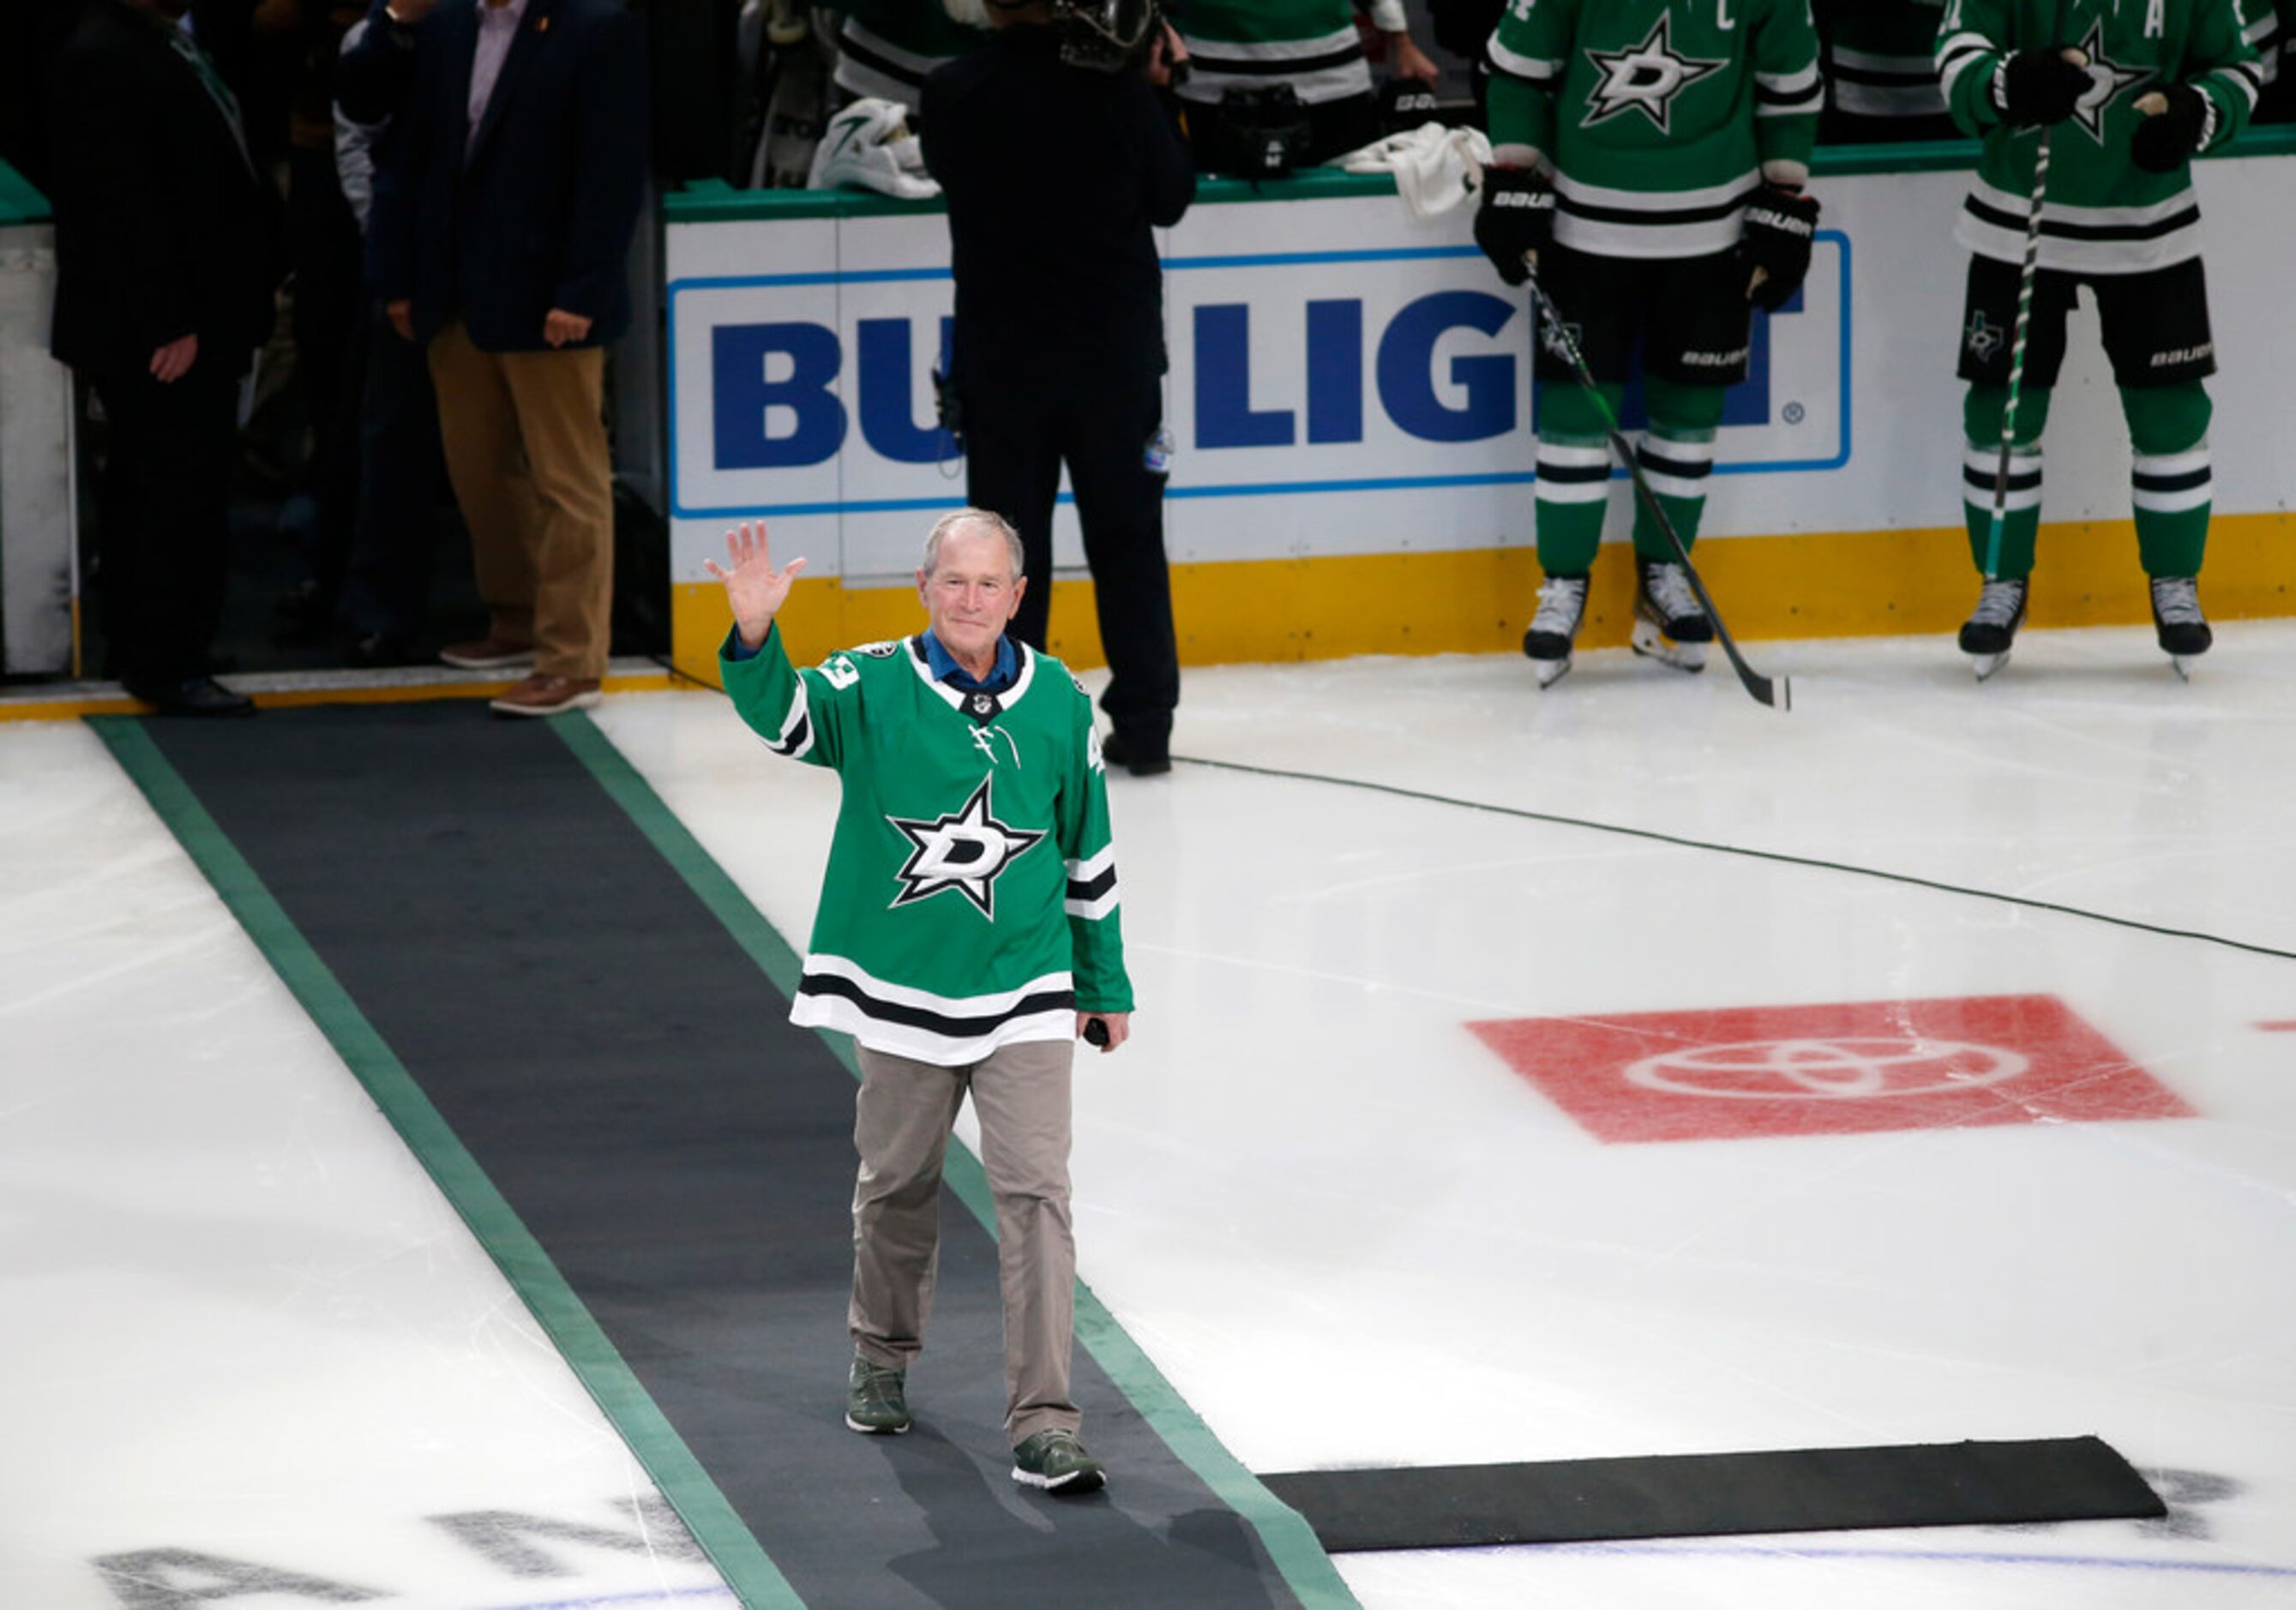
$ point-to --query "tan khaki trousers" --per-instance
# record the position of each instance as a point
(525, 435)
(901, 1127)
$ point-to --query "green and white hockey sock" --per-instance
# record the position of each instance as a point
(2169, 480)
(1573, 489)
(1676, 456)
(1980, 421)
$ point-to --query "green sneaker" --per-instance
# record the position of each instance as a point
(1055, 1461)
(874, 1402)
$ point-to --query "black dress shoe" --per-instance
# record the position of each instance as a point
(190, 696)
(1142, 757)
(380, 651)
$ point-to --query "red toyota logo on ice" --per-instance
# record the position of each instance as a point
(1860, 1067)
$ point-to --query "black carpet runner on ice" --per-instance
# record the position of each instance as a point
(1711, 1495)
(627, 1078)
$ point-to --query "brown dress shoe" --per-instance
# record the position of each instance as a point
(488, 652)
(546, 696)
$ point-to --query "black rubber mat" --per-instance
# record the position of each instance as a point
(1710, 1495)
(627, 1078)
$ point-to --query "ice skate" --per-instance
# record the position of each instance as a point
(2178, 621)
(1555, 629)
(1671, 625)
(1990, 631)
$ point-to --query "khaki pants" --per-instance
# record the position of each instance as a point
(901, 1128)
(525, 436)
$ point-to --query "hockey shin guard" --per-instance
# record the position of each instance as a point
(1980, 421)
(2168, 482)
(1677, 455)
(1574, 476)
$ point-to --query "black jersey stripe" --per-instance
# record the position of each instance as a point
(1684, 469)
(1562, 473)
(795, 739)
(1810, 94)
(1926, 78)
(2062, 230)
(923, 1018)
(1269, 67)
(1657, 217)
(1092, 889)
(847, 45)
(1982, 479)
(2183, 481)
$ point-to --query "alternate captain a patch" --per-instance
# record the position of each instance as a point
(967, 851)
(1645, 78)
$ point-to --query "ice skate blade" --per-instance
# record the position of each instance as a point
(1550, 672)
(1652, 643)
(1985, 665)
(2181, 664)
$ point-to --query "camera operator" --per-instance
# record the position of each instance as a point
(1055, 173)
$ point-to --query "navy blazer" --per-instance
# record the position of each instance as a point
(163, 227)
(536, 212)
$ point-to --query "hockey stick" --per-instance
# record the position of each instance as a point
(1779, 694)
(2025, 278)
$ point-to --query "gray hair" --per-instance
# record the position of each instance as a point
(995, 522)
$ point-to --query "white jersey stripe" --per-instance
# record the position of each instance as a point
(947, 1005)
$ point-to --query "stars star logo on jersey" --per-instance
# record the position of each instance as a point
(2107, 81)
(1984, 338)
(968, 852)
(1645, 80)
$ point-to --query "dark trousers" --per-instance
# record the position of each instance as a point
(1017, 437)
(330, 337)
(163, 546)
(402, 483)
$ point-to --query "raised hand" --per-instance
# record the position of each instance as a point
(756, 590)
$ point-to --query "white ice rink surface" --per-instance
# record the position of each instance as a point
(247, 1341)
(1343, 1225)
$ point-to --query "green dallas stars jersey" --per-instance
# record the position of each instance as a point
(2103, 214)
(971, 899)
(1310, 45)
(887, 47)
(1877, 56)
(1658, 117)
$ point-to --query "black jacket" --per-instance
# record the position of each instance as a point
(538, 213)
(163, 228)
(1054, 176)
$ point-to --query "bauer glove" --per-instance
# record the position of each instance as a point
(2039, 87)
(1779, 226)
(1515, 221)
(2166, 140)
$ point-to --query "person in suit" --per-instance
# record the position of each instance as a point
(503, 212)
(1057, 175)
(168, 257)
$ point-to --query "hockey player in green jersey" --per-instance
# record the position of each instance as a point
(966, 937)
(1292, 72)
(1650, 159)
(887, 48)
(2132, 90)
(1880, 83)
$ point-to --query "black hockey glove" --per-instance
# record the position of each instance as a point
(1774, 250)
(2039, 86)
(2166, 140)
(1515, 221)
